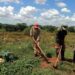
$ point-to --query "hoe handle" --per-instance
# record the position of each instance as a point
(41, 52)
(57, 60)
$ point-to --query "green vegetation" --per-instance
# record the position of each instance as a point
(20, 27)
(20, 44)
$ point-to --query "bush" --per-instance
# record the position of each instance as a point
(27, 31)
(49, 55)
(71, 29)
(8, 56)
(19, 67)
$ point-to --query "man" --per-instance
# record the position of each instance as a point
(35, 34)
(60, 43)
(74, 53)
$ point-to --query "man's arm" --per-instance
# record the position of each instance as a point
(38, 38)
(34, 40)
(31, 32)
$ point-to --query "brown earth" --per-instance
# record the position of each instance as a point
(44, 64)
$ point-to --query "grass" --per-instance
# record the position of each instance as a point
(21, 45)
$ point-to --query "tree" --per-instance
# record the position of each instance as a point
(21, 26)
(71, 29)
(49, 28)
(0, 25)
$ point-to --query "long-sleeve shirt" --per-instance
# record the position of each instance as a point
(60, 36)
(35, 33)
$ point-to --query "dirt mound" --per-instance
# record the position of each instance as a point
(44, 64)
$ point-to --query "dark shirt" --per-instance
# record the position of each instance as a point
(60, 36)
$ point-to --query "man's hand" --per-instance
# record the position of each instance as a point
(38, 38)
(34, 40)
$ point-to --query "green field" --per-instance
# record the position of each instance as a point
(26, 64)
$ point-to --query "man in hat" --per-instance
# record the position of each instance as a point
(35, 34)
(60, 41)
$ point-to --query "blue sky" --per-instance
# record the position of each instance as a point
(45, 12)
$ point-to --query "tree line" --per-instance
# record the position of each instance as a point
(24, 27)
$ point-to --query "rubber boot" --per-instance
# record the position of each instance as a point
(62, 54)
(74, 56)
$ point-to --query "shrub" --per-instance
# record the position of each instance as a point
(49, 55)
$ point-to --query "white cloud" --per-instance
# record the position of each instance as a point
(67, 18)
(26, 15)
(6, 11)
(27, 10)
(65, 10)
(56, 20)
(17, 1)
(49, 13)
(41, 1)
(73, 17)
(61, 4)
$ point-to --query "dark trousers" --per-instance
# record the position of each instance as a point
(74, 57)
(62, 51)
(62, 54)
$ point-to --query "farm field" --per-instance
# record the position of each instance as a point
(26, 64)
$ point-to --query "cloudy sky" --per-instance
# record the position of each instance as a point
(45, 12)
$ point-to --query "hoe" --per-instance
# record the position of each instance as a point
(58, 58)
(42, 53)
(49, 60)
